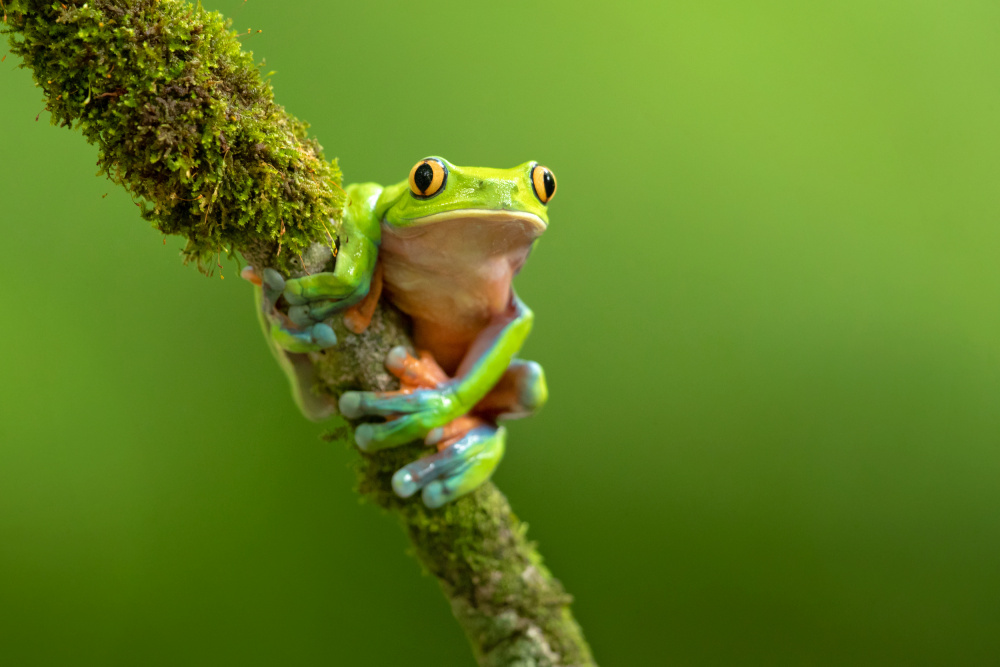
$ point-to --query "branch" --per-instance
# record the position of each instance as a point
(183, 120)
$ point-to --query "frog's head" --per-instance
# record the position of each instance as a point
(475, 200)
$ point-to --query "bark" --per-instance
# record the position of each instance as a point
(183, 120)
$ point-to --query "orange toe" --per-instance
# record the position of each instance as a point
(249, 274)
(423, 372)
(453, 431)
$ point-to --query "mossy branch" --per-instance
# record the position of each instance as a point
(183, 120)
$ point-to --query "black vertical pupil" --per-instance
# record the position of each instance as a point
(549, 181)
(424, 176)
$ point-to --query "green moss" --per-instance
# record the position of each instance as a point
(182, 118)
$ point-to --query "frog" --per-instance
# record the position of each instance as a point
(443, 247)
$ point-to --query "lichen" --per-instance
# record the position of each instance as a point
(183, 119)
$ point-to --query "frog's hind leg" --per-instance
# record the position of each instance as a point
(521, 392)
(456, 470)
(469, 447)
(423, 372)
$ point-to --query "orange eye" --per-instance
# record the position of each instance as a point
(544, 182)
(427, 178)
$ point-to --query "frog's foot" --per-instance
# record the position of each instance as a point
(425, 402)
(456, 470)
(303, 328)
(421, 372)
(521, 392)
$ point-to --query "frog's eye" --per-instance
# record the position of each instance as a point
(544, 182)
(427, 178)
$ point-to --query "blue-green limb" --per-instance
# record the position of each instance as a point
(423, 410)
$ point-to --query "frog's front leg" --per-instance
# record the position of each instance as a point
(416, 413)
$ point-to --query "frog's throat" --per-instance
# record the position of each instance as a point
(416, 226)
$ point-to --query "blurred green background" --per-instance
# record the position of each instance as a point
(768, 306)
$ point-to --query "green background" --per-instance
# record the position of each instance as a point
(768, 306)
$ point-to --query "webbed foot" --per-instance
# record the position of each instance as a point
(426, 401)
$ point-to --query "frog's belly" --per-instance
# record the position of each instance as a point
(461, 302)
(452, 280)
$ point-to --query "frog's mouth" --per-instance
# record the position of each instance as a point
(462, 242)
(519, 224)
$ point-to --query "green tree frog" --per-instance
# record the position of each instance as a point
(443, 247)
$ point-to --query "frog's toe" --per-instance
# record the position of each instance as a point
(305, 315)
(273, 282)
(250, 274)
(323, 335)
(322, 309)
(320, 287)
(394, 403)
(300, 317)
(453, 431)
(413, 371)
(350, 404)
(357, 404)
(311, 338)
(456, 470)
(374, 437)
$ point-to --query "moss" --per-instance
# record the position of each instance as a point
(181, 118)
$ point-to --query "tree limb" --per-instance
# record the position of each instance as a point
(183, 120)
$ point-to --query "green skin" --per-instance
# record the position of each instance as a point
(448, 259)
